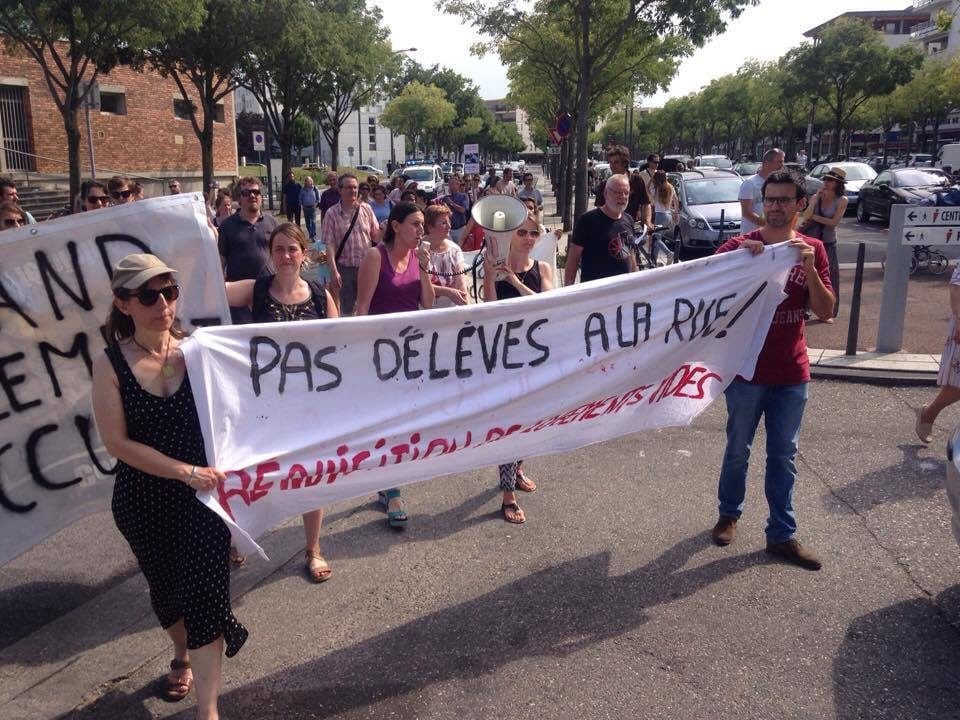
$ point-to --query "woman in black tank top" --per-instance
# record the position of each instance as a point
(517, 276)
(284, 297)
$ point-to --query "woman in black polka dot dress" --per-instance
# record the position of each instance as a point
(146, 417)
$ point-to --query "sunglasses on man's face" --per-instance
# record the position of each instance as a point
(250, 192)
(149, 296)
(12, 222)
(117, 194)
(99, 199)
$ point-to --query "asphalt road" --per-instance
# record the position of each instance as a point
(610, 602)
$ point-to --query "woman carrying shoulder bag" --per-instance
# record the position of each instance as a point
(821, 218)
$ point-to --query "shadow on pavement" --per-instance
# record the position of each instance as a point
(118, 705)
(554, 612)
(900, 663)
(913, 477)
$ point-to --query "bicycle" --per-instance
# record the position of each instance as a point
(924, 258)
(659, 254)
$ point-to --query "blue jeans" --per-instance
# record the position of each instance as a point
(310, 218)
(782, 409)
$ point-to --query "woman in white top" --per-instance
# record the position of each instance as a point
(446, 259)
(666, 210)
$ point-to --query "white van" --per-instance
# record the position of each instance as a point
(949, 157)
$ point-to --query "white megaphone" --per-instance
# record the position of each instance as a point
(499, 216)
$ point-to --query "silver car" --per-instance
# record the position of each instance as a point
(705, 197)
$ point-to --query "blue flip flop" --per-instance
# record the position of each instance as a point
(395, 518)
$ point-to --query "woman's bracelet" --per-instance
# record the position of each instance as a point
(193, 474)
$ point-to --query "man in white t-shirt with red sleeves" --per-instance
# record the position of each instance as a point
(778, 388)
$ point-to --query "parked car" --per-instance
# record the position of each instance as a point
(370, 169)
(896, 187)
(704, 196)
(880, 162)
(670, 163)
(429, 178)
(795, 168)
(919, 160)
(948, 157)
(746, 169)
(857, 175)
(717, 161)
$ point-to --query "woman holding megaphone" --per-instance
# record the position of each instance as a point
(516, 275)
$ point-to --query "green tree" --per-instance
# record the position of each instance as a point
(931, 94)
(359, 60)
(418, 110)
(74, 41)
(281, 68)
(203, 59)
(302, 133)
(607, 42)
(849, 65)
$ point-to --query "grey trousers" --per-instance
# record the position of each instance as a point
(348, 289)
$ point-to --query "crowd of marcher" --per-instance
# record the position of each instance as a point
(366, 247)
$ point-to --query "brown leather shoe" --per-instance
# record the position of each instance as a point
(795, 553)
(725, 530)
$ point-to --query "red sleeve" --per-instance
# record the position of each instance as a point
(822, 263)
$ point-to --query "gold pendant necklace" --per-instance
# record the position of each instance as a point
(166, 369)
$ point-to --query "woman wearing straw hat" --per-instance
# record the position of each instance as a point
(145, 413)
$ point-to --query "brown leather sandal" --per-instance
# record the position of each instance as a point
(525, 484)
(512, 513)
(178, 685)
(320, 573)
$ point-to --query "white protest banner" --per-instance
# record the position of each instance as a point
(471, 158)
(54, 297)
(300, 415)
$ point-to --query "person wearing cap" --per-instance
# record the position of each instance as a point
(820, 220)
(146, 416)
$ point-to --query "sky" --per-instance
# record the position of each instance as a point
(765, 32)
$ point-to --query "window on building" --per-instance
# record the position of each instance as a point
(218, 113)
(181, 109)
(891, 29)
(372, 127)
(113, 103)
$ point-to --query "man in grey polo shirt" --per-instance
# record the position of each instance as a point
(244, 241)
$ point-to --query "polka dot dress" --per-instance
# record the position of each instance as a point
(182, 546)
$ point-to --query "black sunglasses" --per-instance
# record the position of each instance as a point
(97, 198)
(250, 192)
(117, 194)
(149, 296)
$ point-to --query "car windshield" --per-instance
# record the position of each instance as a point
(748, 168)
(918, 178)
(711, 191)
(717, 162)
(859, 172)
(420, 174)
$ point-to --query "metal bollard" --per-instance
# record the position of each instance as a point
(853, 328)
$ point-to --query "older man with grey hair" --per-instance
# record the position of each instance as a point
(751, 192)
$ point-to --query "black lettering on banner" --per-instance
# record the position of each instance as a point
(678, 305)
(489, 354)
(47, 273)
(304, 367)
(638, 319)
(748, 303)
(9, 382)
(31, 447)
(5, 502)
(462, 353)
(333, 370)
(103, 240)
(10, 303)
(257, 370)
(80, 347)
(436, 374)
(509, 341)
(409, 353)
(544, 350)
(589, 332)
(377, 362)
(83, 427)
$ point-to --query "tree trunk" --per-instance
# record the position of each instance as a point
(581, 136)
(334, 148)
(571, 173)
(564, 159)
(837, 129)
(72, 131)
(206, 148)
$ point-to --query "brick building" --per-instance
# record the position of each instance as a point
(142, 127)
